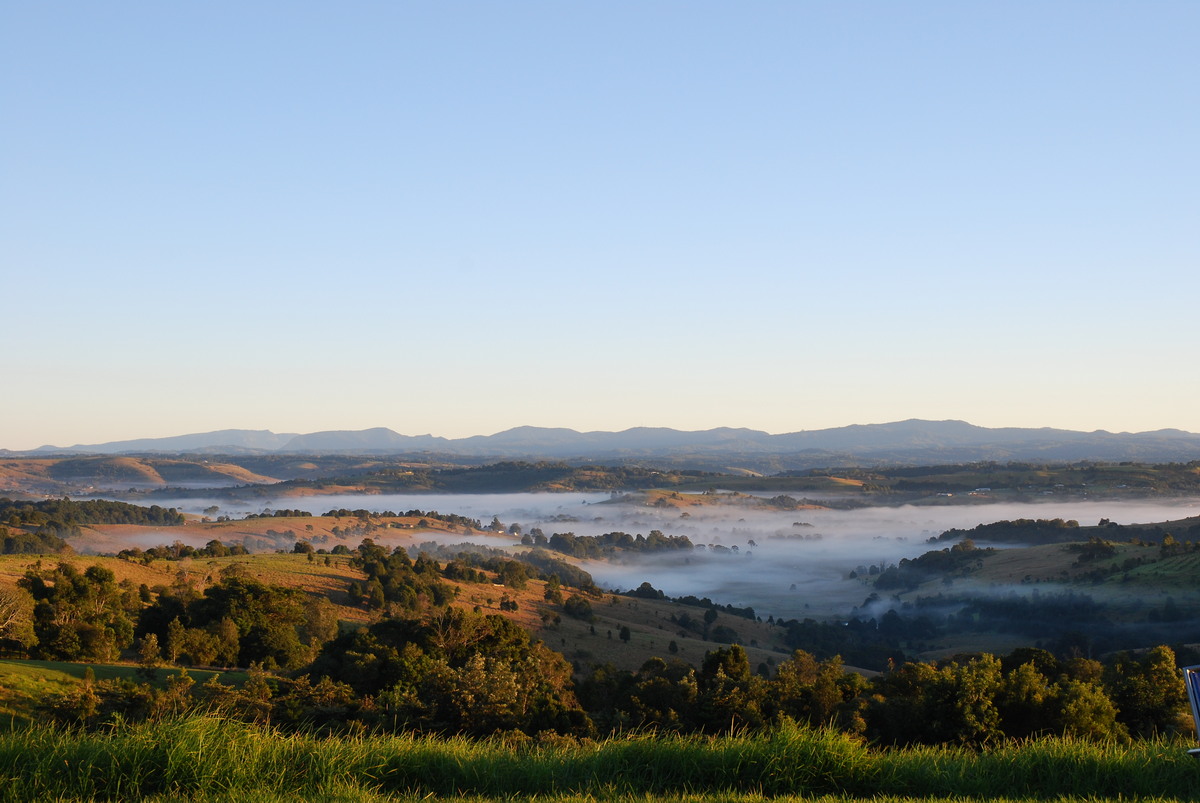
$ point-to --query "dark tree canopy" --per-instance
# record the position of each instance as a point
(456, 672)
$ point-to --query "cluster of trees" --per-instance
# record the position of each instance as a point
(1093, 549)
(970, 700)
(647, 591)
(282, 514)
(22, 542)
(1019, 531)
(1170, 546)
(598, 546)
(402, 582)
(179, 550)
(704, 626)
(66, 516)
(786, 502)
(549, 566)
(535, 564)
(236, 622)
(78, 615)
(745, 612)
(911, 572)
(424, 516)
(397, 580)
(62, 613)
(860, 641)
(452, 672)
(1172, 536)
(455, 672)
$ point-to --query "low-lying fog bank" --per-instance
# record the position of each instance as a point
(789, 564)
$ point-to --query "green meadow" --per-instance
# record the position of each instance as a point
(24, 684)
(202, 758)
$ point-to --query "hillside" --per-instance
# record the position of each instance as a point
(1087, 590)
(1117, 587)
(249, 478)
(81, 474)
(365, 620)
(582, 641)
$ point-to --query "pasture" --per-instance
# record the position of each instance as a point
(206, 759)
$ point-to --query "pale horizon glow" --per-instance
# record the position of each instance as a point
(455, 219)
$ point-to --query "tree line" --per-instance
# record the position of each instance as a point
(63, 517)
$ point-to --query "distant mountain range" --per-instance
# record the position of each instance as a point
(912, 442)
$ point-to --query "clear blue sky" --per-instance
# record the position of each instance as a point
(460, 217)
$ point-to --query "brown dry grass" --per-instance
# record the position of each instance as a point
(20, 475)
(13, 567)
(56, 474)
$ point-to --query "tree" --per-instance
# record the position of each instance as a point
(216, 549)
(663, 696)
(149, 655)
(513, 575)
(175, 636)
(809, 691)
(1026, 702)
(228, 640)
(320, 623)
(625, 634)
(970, 707)
(1084, 710)
(730, 697)
(16, 617)
(579, 608)
(1147, 691)
(200, 647)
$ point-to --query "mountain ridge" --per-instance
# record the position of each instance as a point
(912, 440)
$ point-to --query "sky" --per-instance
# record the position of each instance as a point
(460, 217)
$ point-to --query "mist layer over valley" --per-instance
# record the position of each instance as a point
(784, 563)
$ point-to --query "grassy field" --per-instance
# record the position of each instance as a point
(24, 684)
(207, 759)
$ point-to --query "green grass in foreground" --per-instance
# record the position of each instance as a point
(22, 684)
(352, 796)
(207, 759)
